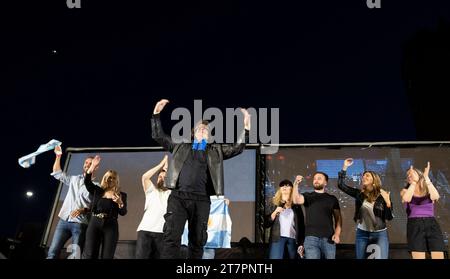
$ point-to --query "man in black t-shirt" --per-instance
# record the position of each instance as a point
(321, 233)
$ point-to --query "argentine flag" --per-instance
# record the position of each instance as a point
(219, 225)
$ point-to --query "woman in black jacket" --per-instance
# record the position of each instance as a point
(372, 208)
(286, 222)
(107, 203)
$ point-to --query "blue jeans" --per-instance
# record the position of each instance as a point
(277, 248)
(65, 230)
(376, 244)
(316, 247)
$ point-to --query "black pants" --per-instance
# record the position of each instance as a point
(104, 232)
(181, 207)
(149, 245)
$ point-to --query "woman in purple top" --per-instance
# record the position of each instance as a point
(423, 232)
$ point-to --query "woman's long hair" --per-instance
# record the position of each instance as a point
(277, 199)
(110, 185)
(423, 188)
(372, 195)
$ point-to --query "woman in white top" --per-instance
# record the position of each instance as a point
(287, 223)
(150, 230)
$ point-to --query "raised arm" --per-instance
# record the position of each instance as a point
(297, 198)
(341, 179)
(434, 194)
(90, 186)
(157, 130)
(407, 194)
(387, 199)
(57, 163)
(146, 177)
(166, 163)
(229, 151)
(57, 171)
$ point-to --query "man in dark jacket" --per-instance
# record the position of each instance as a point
(195, 173)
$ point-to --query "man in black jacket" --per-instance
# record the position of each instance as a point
(195, 173)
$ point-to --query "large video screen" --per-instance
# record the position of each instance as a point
(390, 162)
(239, 188)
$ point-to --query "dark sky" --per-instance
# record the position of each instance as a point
(90, 77)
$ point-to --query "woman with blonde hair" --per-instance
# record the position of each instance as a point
(286, 222)
(423, 231)
(107, 203)
(372, 208)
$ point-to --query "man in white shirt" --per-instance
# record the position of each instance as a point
(73, 214)
(150, 230)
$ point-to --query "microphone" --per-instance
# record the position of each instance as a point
(283, 205)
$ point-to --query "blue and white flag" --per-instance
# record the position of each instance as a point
(219, 225)
(30, 159)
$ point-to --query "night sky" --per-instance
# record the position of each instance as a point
(90, 77)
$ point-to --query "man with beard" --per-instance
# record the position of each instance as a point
(321, 235)
(150, 230)
(73, 217)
